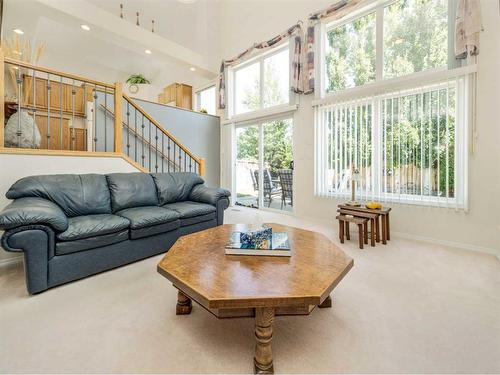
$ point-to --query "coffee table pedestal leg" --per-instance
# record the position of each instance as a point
(263, 360)
(184, 304)
(326, 303)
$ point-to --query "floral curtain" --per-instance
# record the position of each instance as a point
(467, 28)
(296, 61)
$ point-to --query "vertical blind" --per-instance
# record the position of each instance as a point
(407, 146)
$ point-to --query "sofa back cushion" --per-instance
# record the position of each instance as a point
(77, 195)
(131, 190)
(175, 187)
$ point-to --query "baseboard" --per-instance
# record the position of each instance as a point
(16, 259)
(458, 245)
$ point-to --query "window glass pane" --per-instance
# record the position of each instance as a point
(415, 36)
(247, 166)
(278, 164)
(418, 142)
(276, 77)
(206, 100)
(247, 88)
(350, 54)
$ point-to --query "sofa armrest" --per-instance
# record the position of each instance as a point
(204, 194)
(30, 211)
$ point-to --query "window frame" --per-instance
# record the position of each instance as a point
(262, 111)
(196, 96)
(376, 7)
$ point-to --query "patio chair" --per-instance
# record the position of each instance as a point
(286, 181)
(270, 189)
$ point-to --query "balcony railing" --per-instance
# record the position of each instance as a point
(55, 111)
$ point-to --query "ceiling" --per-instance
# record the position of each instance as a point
(114, 48)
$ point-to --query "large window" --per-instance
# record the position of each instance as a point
(407, 146)
(390, 110)
(205, 100)
(261, 83)
(412, 37)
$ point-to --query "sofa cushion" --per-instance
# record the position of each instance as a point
(131, 190)
(76, 195)
(92, 226)
(198, 219)
(141, 217)
(175, 187)
(68, 247)
(190, 209)
(154, 229)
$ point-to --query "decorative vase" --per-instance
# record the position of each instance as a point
(21, 131)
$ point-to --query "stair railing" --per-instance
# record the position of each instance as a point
(66, 112)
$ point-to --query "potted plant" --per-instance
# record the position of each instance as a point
(139, 87)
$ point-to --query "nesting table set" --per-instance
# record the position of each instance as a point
(361, 216)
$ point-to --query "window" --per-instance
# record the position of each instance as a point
(262, 83)
(393, 112)
(408, 146)
(205, 99)
(413, 37)
(350, 54)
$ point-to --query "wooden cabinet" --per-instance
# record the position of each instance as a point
(62, 136)
(79, 139)
(178, 95)
(61, 96)
(58, 130)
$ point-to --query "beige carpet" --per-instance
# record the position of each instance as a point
(408, 307)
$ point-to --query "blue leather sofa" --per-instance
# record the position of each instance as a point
(72, 226)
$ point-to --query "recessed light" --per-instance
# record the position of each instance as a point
(148, 52)
(18, 31)
(193, 69)
(85, 27)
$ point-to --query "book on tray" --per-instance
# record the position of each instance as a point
(259, 242)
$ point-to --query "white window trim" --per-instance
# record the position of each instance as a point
(292, 105)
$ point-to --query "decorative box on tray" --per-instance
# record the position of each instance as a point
(261, 241)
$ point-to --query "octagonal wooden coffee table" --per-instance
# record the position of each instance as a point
(260, 286)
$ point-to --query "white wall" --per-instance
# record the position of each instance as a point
(14, 167)
(245, 22)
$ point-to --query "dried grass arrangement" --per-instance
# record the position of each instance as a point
(21, 49)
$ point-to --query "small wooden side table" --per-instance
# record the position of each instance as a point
(362, 224)
(383, 213)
